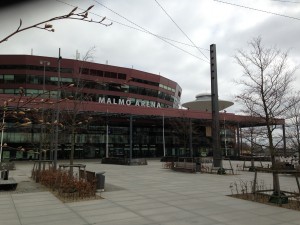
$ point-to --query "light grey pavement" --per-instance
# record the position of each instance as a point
(146, 195)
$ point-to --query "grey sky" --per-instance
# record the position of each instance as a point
(206, 22)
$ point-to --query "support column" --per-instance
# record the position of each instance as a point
(238, 145)
(191, 138)
(130, 140)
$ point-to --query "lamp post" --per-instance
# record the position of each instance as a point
(57, 112)
(107, 138)
(2, 133)
(164, 142)
(44, 63)
(225, 138)
(130, 140)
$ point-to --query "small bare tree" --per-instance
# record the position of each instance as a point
(252, 133)
(181, 127)
(267, 88)
(72, 117)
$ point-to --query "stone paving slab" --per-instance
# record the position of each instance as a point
(144, 195)
(36, 208)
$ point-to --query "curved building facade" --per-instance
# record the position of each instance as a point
(100, 83)
(102, 111)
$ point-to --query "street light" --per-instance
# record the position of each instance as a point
(164, 141)
(2, 133)
(3, 127)
(107, 138)
(44, 63)
(57, 111)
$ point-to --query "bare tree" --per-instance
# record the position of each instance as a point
(251, 134)
(181, 129)
(267, 88)
(45, 25)
(72, 117)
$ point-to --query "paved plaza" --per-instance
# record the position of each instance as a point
(146, 195)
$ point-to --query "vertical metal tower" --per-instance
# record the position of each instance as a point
(217, 153)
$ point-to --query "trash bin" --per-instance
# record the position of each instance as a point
(198, 166)
(4, 174)
(100, 181)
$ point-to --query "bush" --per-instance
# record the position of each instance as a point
(68, 186)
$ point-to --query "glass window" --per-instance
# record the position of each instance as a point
(66, 70)
(84, 70)
(100, 73)
(110, 74)
(32, 92)
(93, 72)
(31, 79)
(9, 91)
(133, 89)
(122, 76)
(113, 75)
(53, 78)
(53, 93)
(20, 79)
(67, 80)
(9, 77)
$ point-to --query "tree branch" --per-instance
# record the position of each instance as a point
(45, 25)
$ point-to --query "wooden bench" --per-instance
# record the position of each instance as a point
(185, 167)
(167, 165)
(204, 168)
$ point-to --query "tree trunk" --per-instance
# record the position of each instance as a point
(298, 140)
(72, 148)
(276, 185)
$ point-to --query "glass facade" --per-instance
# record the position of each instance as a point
(149, 138)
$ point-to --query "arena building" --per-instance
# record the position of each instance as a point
(107, 110)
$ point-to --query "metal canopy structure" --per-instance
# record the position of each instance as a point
(203, 103)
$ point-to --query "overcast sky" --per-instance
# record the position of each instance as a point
(199, 22)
